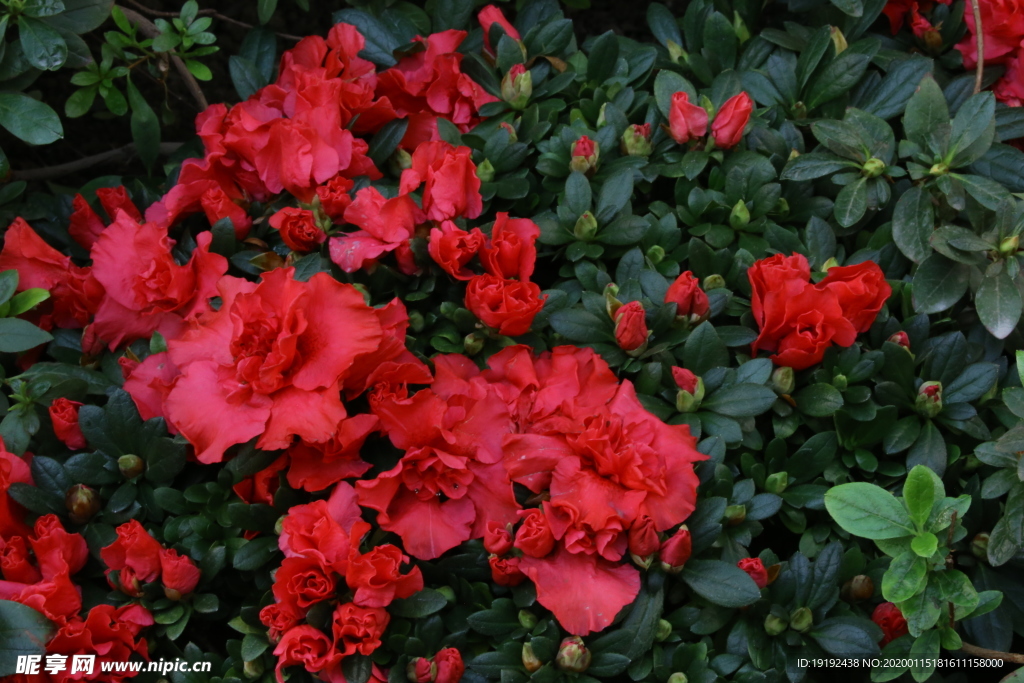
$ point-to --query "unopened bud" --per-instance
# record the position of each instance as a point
(799, 110)
(714, 281)
(400, 161)
(573, 655)
(416, 321)
(676, 52)
(517, 87)
(900, 338)
(611, 303)
(656, 254)
(448, 594)
(473, 344)
(829, 264)
(860, 587)
(979, 546)
(872, 168)
(130, 465)
(939, 169)
(783, 380)
(585, 156)
(929, 399)
(420, 670)
(601, 120)
(838, 40)
(530, 660)
(585, 228)
(82, 503)
(636, 140)
(1009, 246)
(254, 668)
(678, 677)
(801, 620)
(840, 382)
(740, 28)
(663, 631)
(485, 171)
(776, 483)
(782, 207)
(735, 514)
(527, 619)
(279, 525)
(774, 625)
(644, 561)
(172, 594)
(739, 218)
(512, 135)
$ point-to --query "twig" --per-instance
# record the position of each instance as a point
(979, 34)
(207, 13)
(150, 30)
(120, 154)
(992, 654)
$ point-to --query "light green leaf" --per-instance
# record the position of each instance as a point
(868, 511)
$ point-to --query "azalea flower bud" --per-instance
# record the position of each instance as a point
(82, 503)
(929, 399)
(676, 550)
(611, 304)
(400, 161)
(485, 171)
(573, 655)
(130, 465)
(776, 483)
(643, 538)
(829, 264)
(735, 514)
(783, 380)
(656, 254)
(178, 574)
(860, 587)
(714, 281)
(774, 625)
(586, 227)
(631, 328)
(530, 661)
(513, 137)
(678, 677)
(782, 207)
(686, 121)
(691, 390)
(279, 525)
(601, 120)
(979, 546)
(731, 120)
(636, 140)
(691, 302)
(416, 321)
(801, 620)
(901, 338)
(676, 52)
(1010, 245)
(585, 156)
(473, 344)
(663, 631)
(64, 416)
(838, 39)
(739, 218)
(448, 593)
(517, 87)
(450, 666)
(527, 619)
(872, 168)
(892, 622)
(755, 569)
(420, 670)
(254, 668)
(840, 382)
(497, 538)
(939, 169)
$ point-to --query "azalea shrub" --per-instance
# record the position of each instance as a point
(467, 346)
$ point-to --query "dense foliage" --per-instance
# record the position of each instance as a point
(473, 347)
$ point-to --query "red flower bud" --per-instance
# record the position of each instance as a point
(178, 574)
(497, 539)
(901, 338)
(676, 550)
(298, 229)
(534, 537)
(686, 121)
(689, 298)
(631, 326)
(64, 415)
(889, 617)
(755, 568)
(643, 537)
(731, 119)
(685, 380)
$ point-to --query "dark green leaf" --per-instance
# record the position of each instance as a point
(18, 335)
(23, 631)
(720, 582)
(28, 119)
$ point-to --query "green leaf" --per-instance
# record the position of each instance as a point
(8, 285)
(925, 544)
(265, 10)
(603, 55)
(819, 400)
(357, 668)
(668, 83)
(854, 8)
(380, 43)
(720, 582)
(254, 554)
(845, 636)
(999, 304)
(386, 140)
(615, 194)
(244, 76)
(43, 8)
(939, 283)
(82, 16)
(704, 350)
(449, 14)
(974, 129)
(740, 400)
(28, 119)
(913, 222)
(18, 335)
(929, 450)
(837, 78)
(986, 191)
(852, 203)
(205, 603)
(868, 511)
(663, 24)
(145, 126)
(906, 576)
(23, 631)
(919, 493)
(42, 46)
(923, 654)
(422, 604)
(890, 97)
(814, 165)
(579, 325)
(253, 645)
(926, 112)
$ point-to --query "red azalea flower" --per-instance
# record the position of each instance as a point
(64, 416)
(755, 568)
(891, 620)
(376, 577)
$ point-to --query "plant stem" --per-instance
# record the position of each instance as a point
(992, 654)
(150, 30)
(120, 154)
(980, 36)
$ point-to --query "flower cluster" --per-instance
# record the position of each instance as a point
(800, 320)
(136, 559)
